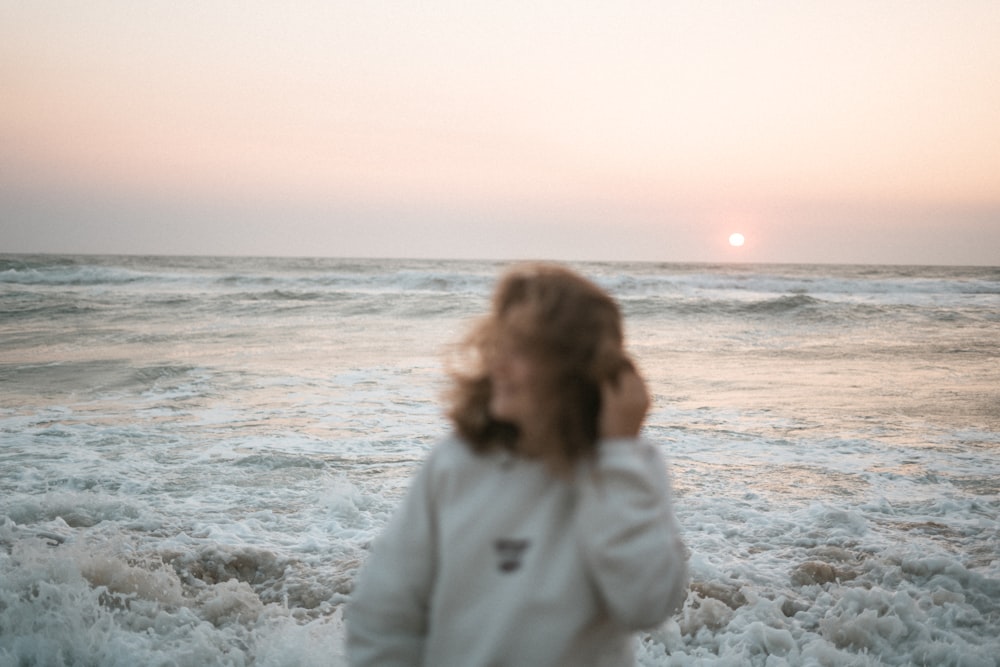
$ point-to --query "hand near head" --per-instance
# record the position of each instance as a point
(624, 403)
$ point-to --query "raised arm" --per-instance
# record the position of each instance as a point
(625, 519)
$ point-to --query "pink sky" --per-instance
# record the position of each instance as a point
(834, 132)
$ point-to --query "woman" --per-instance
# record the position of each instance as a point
(541, 533)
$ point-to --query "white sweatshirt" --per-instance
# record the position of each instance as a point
(492, 562)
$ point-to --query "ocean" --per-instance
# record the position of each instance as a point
(196, 452)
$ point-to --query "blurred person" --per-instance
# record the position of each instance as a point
(541, 532)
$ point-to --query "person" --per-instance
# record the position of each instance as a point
(541, 533)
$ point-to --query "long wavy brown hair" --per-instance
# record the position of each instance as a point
(573, 332)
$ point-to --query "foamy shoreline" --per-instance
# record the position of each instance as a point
(196, 453)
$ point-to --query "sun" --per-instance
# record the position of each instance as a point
(736, 239)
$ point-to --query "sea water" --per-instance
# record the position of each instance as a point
(196, 453)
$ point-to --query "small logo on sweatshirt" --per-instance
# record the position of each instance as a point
(509, 554)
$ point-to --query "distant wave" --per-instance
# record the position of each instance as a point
(25, 306)
(783, 304)
(85, 275)
(973, 280)
(66, 272)
(284, 295)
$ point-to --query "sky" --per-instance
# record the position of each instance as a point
(841, 132)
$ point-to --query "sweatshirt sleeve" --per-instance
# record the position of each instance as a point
(629, 534)
(387, 615)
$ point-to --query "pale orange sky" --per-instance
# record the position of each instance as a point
(839, 132)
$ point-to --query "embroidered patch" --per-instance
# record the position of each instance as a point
(509, 553)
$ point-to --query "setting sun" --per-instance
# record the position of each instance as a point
(736, 240)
